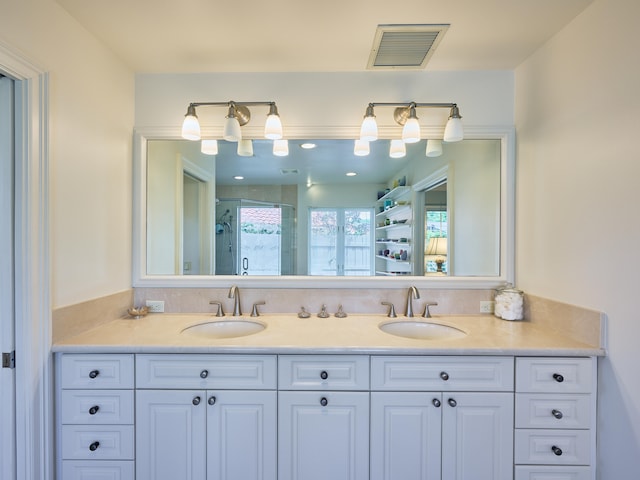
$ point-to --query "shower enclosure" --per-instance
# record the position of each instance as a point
(254, 238)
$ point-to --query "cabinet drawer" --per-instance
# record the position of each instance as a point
(103, 442)
(442, 373)
(545, 472)
(537, 447)
(256, 372)
(561, 375)
(541, 410)
(323, 372)
(97, 470)
(96, 371)
(93, 407)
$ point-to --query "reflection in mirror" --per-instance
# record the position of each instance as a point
(235, 215)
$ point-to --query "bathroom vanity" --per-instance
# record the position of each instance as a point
(324, 398)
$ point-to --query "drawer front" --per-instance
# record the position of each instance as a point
(101, 442)
(96, 371)
(257, 372)
(100, 407)
(442, 373)
(542, 410)
(545, 472)
(97, 470)
(323, 372)
(553, 447)
(554, 375)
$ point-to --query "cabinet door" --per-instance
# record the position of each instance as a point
(171, 434)
(477, 436)
(241, 435)
(323, 435)
(406, 435)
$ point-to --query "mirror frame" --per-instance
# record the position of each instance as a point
(507, 219)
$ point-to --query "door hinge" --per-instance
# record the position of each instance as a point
(9, 360)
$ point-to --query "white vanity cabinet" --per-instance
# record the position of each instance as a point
(94, 409)
(206, 417)
(555, 412)
(438, 418)
(323, 417)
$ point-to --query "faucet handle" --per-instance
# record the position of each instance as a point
(427, 313)
(392, 309)
(341, 313)
(220, 312)
(254, 311)
(323, 312)
(303, 313)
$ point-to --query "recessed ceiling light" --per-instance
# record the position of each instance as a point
(351, 174)
(238, 177)
(308, 145)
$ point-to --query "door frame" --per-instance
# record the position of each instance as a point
(34, 379)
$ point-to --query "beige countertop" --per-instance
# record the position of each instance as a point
(286, 333)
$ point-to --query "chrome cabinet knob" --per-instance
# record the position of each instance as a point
(204, 373)
(94, 373)
(93, 410)
(558, 378)
(452, 402)
(444, 376)
(94, 446)
(212, 400)
(556, 450)
(556, 413)
(324, 402)
(196, 401)
(436, 403)
(324, 375)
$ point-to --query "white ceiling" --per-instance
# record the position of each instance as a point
(186, 36)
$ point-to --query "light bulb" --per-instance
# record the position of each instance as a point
(209, 147)
(191, 125)
(281, 148)
(397, 149)
(434, 148)
(361, 148)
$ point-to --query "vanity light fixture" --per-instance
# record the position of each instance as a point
(405, 115)
(238, 114)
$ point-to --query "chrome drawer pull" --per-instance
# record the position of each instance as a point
(94, 446)
(556, 413)
(444, 376)
(324, 375)
(558, 378)
(324, 402)
(556, 450)
(94, 373)
(93, 410)
(204, 373)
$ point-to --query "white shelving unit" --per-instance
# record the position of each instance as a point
(393, 233)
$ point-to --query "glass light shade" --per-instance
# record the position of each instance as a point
(434, 148)
(453, 131)
(361, 148)
(209, 147)
(281, 148)
(191, 128)
(411, 131)
(369, 129)
(232, 132)
(245, 148)
(397, 149)
(273, 127)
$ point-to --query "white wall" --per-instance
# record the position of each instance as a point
(578, 227)
(91, 120)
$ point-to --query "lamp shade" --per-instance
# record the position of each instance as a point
(281, 148)
(411, 131)
(397, 149)
(209, 147)
(434, 148)
(369, 127)
(232, 132)
(273, 125)
(245, 148)
(437, 246)
(191, 125)
(361, 148)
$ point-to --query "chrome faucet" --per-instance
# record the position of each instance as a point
(234, 292)
(412, 293)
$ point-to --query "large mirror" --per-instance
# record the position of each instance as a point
(321, 215)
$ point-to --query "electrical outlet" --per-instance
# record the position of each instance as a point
(487, 306)
(155, 306)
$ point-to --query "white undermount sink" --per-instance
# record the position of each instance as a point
(422, 330)
(225, 328)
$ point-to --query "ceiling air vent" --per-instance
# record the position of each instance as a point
(404, 46)
(289, 171)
